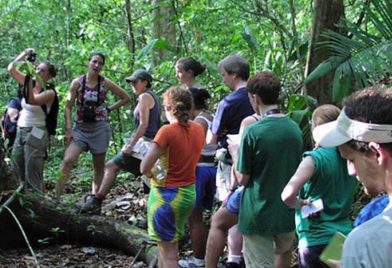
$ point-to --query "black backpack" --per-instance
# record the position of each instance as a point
(51, 117)
(8, 127)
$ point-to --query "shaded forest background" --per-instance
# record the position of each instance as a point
(286, 37)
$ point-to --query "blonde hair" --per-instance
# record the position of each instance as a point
(324, 114)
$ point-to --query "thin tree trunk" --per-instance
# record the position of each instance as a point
(131, 37)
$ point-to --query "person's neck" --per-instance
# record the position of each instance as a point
(92, 76)
(263, 109)
(191, 83)
(196, 112)
(240, 84)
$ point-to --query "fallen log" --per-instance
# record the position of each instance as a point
(42, 219)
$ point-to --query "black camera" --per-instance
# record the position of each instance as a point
(88, 114)
(31, 57)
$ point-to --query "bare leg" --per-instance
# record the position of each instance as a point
(168, 254)
(283, 260)
(71, 155)
(234, 241)
(221, 222)
(99, 169)
(111, 171)
(198, 232)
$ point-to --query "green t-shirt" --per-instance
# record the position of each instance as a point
(336, 188)
(270, 152)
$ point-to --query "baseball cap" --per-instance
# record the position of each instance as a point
(139, 74)
(344, 129)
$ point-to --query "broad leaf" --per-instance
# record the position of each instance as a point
(250, 39)
(157, 44)
(324, 68)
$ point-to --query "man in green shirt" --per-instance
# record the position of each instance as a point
(269, 154)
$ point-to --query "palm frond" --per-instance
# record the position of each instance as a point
(362, 60)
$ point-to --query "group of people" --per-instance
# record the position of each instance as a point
(248, 154)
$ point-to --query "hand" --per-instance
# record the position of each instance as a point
(314, 215)
(29, 51)
(127, 150)
(333, 263)
(68, 135)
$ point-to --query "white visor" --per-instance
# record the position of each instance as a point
(345, 129)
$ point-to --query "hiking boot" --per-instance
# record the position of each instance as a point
(191, 262)
(92, 205)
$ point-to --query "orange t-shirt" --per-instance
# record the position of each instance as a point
(182, 152)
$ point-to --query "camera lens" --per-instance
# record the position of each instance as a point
(32, 57)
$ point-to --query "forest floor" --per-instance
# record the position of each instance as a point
(125, 202)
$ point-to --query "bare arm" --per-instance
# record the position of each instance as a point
(16, 74)
(71, 96)
(146, 102)
(119, 92)
(150, 159)
(12, 113)
(233, 149)
(45, 97)
(304, 172)
(213, 139)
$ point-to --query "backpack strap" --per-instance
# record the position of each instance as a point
(84, 89)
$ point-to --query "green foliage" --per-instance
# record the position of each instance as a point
(270, 34)
(92, 229)
(45, 241)
(154, 44)
(56, 231)
(364, 59)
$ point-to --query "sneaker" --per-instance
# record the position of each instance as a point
(92, 205)
(241, 264)
(191, 262)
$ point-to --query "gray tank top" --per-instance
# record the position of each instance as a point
(154, 119)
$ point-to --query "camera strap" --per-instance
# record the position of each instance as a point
(84, 90)
(26, 90)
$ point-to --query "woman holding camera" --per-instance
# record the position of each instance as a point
(91, 131)
(31, 142)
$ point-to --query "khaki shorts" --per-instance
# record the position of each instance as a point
(259, 250)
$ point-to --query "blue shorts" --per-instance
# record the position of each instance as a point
(233, 204)
(205, 186)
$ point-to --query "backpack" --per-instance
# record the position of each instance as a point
(8, 127)
(51, 117)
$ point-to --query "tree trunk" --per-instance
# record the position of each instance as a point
(130, 35)
(326, 14)
(164, 26)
